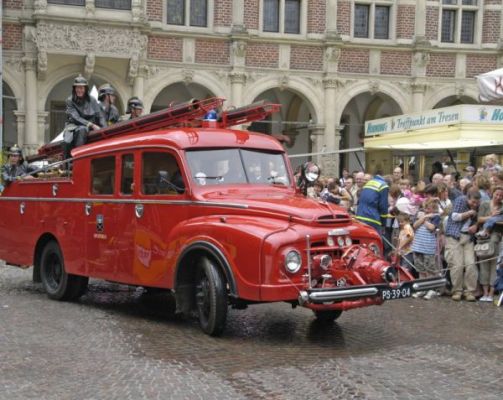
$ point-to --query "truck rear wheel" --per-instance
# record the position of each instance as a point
(57, 283)
(327, 316)
(211, 298)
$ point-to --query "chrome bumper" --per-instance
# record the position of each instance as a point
(358, 292)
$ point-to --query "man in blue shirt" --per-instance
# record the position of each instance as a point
(373, 203)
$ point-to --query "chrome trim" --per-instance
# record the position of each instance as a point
(55, 188)
(340, 294)
(338, 232)
(430, 284)
(22, 207)
(127, 201)
(138, 210)
(88, 208)
(308, 250)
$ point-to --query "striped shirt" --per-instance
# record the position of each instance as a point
(425, 241)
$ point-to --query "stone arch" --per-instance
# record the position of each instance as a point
(168, 78)
(314, 99)
(51, 90)
(389, 89)
(16, 85)
(9, 121)
(470, 94)
(72, 70)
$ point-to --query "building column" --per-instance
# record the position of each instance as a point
(238, 80)
(138, 86)
(331, 18)
(316, 134)
(418, 90)
(238, 24)
(30, 142)
(420, 21)
(332, 137)
(41, 126)
(20, 122)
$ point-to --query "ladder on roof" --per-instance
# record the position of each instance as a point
(190, 113)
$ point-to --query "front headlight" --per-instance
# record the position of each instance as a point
(293, 261)
(349, 242)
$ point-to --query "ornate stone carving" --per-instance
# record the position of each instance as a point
(188, 76)
(90, 8)
(421, 59)
(333, 54)
(254, 76)
(374, 87)
(237, 77)
(40, 6)
(42, 64)
(85, 39)
(314, 81)
(134, 65)
(137, 11)
(238, 48)
(418, 87)
(90, 62)
(460, 90)
(29, 63)
(14, 63)
(283, 82)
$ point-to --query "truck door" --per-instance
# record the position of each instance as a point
(102, 212)
(161, 205)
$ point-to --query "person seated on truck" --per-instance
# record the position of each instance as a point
(134, 109)
(106, 97)
(16, 166)
(83, 114)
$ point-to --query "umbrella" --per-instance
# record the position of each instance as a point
(490, 85)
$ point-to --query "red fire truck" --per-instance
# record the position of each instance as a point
(211, 214)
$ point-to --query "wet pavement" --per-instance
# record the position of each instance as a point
(117, 343)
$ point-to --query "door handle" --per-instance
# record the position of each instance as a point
(138, 210)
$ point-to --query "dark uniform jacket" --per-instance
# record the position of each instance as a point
(81, 112)
(111, 116)
(11, 172)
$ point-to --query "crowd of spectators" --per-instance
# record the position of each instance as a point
(450, 223)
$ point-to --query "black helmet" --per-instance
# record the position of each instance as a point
(104, 90)
(15, 150)
(131, 99)
(80, 81)
(135, 103)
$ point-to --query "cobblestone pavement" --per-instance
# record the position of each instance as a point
(113, 344)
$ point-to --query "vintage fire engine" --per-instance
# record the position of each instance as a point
(170, 201)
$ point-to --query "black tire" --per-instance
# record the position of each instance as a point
(57, 283)
(327, 316)
(211, 298)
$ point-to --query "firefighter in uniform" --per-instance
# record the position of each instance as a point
(83, 114)
(373, 203)
(134, 109)
(106, 97)
(16, 167)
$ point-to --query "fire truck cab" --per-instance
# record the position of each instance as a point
(211, 214)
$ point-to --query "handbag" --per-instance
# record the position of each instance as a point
(485, 248)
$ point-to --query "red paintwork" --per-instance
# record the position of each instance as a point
(252, 235)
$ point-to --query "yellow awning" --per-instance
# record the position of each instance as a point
(443, 137)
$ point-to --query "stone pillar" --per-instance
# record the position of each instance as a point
(238, 24)
(332, 138)
(238, 80)
(20, 120)
(42, 126)
(316, 134)
(138, 86)
(420, 21)
(332, 20)
(418, 90)
(31, 124)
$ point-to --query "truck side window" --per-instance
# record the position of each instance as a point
(102, 175)
(161, 174)
(127, 174)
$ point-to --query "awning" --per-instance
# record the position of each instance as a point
(459, 136)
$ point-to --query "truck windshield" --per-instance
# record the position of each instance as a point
(229, 166)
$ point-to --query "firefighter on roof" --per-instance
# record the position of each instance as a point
(134, 109)
(106, 97)
(83, 114)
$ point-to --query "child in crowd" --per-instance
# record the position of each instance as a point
(424, 245)
(405, 238)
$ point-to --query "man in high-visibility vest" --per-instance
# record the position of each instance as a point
(373, 203)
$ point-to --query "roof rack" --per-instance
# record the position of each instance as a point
(189, 113)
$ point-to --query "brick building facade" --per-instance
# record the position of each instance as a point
(332, 64)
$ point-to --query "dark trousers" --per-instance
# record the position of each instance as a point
(79, 138)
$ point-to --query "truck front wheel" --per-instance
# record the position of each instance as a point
(211, 298)
(327, 316)
(57, 283)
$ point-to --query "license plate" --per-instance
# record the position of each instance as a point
(395, 294)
